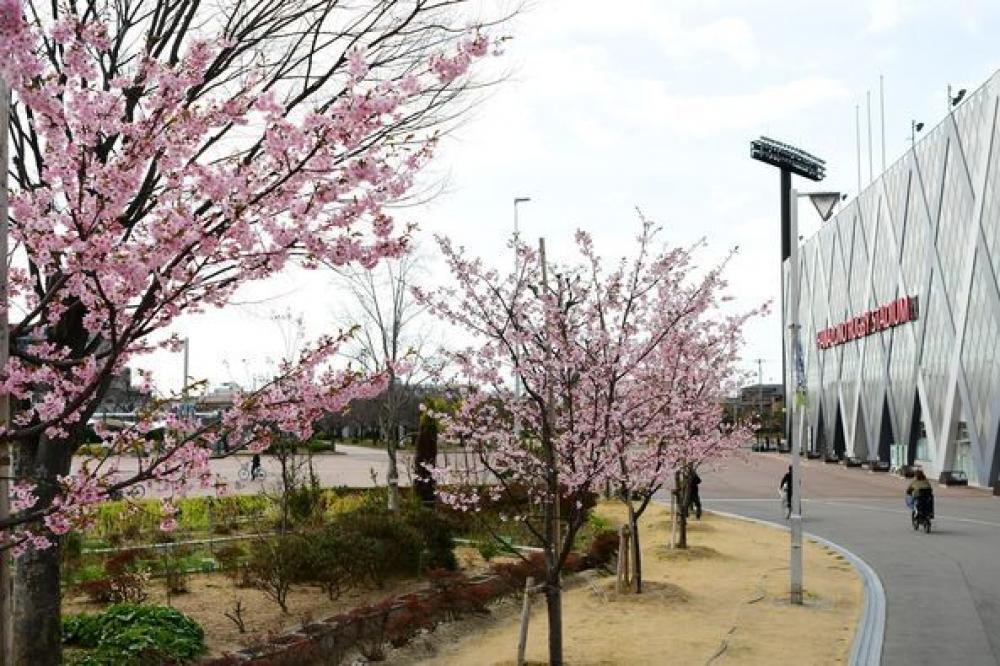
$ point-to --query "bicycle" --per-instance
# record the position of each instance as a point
(247, 474)
(134, 492)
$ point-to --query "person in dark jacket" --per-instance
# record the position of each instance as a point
(920, 494)
(694, 498)
(786, 491)
(255, 466)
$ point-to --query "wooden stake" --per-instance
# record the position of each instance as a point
(522, 640)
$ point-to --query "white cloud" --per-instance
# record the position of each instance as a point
(887, 14)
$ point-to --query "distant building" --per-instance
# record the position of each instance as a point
(758, 403)
(218, 399)
(122, 397)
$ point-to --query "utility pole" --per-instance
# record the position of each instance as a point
(6, 579)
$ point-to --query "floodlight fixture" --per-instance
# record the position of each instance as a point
(959, 96)
(788, 158)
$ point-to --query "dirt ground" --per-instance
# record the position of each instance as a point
(211, 596)
(722, 601)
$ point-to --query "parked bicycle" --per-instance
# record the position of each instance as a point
(248, 473)
(134, 492)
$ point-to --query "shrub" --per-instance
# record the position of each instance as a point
(304, 504)
(275, 564)
(122, 581)
(173, 566)
(487, 548)
(438, 534)
(332, 561)
(230, 556)
(603, 547)
(387, 546)
(131, 635)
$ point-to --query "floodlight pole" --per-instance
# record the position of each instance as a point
(788, 159)
(787, 204)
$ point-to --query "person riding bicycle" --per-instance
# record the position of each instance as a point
(920, 495)
(255, 466)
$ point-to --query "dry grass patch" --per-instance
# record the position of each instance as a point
(723, 601)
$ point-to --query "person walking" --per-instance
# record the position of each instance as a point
(786, 492)
(694, 498)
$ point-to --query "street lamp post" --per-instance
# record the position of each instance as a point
(792, 316)
(824, 203)
(517, 375)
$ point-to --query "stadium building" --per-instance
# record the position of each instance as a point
(900, 307)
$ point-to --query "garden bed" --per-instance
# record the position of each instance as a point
(213, 595)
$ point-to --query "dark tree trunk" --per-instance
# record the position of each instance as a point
(37, 594)
(393, 475)
(553, 607)
(633, 523)
(285, 484)
(683, 499)
(426, 454)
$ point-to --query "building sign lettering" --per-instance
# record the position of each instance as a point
(900, 311)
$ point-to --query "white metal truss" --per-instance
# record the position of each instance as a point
(927, 227)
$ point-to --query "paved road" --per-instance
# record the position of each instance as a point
(350, 466)
(942, 589)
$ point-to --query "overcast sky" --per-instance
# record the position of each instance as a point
(653, 103)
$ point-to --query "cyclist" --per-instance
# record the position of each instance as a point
(920, 495)
(255, 466)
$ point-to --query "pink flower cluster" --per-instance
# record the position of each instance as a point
(623, 370)
(134, 215)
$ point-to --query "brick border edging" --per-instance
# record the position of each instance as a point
(317, 642)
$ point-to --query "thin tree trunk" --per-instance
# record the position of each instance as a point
(633, 522)
(283, 456)
(683, 498)
(37, 594)
(553, 606)
(393, 479)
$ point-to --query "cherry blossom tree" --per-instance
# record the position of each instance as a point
(581, 339)
(674, 421)
(164, 155)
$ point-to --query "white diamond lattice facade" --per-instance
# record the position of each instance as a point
(925, 391)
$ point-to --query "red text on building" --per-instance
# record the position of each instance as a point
(897, 312)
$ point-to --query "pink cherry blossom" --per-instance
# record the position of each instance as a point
(132, 215)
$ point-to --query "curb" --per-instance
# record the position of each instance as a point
(867, 647)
